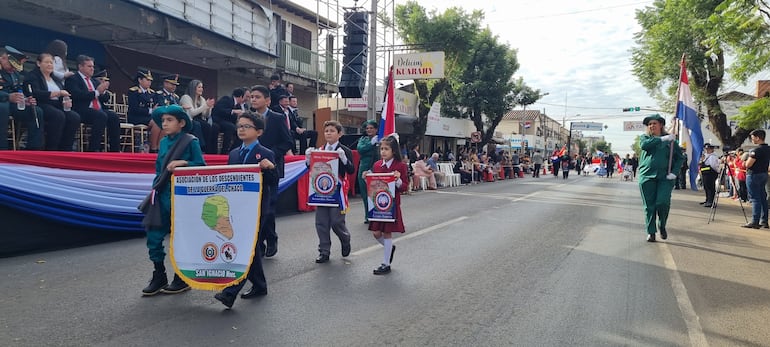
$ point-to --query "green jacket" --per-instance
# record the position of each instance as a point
(653, 163)
(192, 155)
(368, 152)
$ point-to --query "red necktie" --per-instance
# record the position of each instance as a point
(94, 102)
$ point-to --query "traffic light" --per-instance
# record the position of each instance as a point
(354, 54)
(631, 109)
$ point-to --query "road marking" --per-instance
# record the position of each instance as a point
(411, 235)
(691, 320)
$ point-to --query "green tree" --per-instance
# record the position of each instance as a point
(669, 29)
(452, 31)
(603, 146)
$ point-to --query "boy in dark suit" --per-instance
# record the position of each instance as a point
(333, 217)
(278, 139)
(250, 128)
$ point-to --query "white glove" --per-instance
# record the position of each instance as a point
(671, 176)
(667, 138)
(307, 154)
(343, 157)
(374, 139)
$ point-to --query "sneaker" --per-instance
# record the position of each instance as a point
(382, 270)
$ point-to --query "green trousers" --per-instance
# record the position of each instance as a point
(656, 199)
(155, 236)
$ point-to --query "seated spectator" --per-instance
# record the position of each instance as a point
(31, 116)
(421, 169)
(60, 125)
(433, 164)
(476, 166)
(199, 109)
(88, 98)
(225, 113)
(297, 131)
(463, 168)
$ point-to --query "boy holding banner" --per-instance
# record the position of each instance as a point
(250, 128)
(177, 149)
(384, 188)
(329, 189)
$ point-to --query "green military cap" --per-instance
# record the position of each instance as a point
(368, 122)
(15, 57)
(656, 117)
(174, 110)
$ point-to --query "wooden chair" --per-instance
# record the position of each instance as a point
(85, 137)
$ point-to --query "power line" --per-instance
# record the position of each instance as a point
(570, 13)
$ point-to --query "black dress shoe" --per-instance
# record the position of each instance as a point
(225, 299)
(702, 203)
(346, 249)
(650, 237)
(751, 225)
(707, 205)
(765, 225)
(322, 258)
(253, 293)
(392, 252)
(271, 251)
(663, 233)
(382, 270)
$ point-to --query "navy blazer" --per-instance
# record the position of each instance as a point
(223, 109)
(277, 138)
(81, 97)
(269, 177)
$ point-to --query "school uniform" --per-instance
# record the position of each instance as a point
(387, 167)
(332, 217)
(254, 154)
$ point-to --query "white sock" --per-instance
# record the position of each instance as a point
(380, 240)
(388, 248)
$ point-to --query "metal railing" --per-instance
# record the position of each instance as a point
(308, 64)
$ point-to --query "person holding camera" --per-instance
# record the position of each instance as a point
(756, 177)
(709, 170)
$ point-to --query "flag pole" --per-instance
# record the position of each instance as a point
(676, 113)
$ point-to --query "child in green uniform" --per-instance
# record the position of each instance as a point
(176, 125)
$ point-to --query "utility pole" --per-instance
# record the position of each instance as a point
(371, 113)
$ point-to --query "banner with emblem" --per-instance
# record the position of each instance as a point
(324, 179)
(381, 189)
(215, 213)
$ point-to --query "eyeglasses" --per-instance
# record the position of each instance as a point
(246, 126)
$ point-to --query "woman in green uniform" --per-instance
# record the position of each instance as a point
(367, 149)
(655, 180)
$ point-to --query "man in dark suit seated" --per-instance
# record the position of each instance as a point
(298, 132)
(278, 139)
(225, 114)
(88, 98)
(11, 94)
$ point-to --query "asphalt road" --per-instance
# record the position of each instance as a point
(532, 262)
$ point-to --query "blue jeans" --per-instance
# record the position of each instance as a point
(756, 184)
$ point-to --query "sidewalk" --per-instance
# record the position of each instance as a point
(725, 268)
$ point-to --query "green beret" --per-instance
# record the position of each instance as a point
(656, 117)
(368, 122)
(174, 110)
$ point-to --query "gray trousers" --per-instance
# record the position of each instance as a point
(326, 218)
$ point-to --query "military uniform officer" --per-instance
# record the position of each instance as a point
(141, 102)
(11, 93)
(166, 96)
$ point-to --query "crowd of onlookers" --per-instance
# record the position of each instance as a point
(50, 103)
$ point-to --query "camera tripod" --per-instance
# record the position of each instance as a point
(730, 179)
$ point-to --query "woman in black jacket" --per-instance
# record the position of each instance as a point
(60, 125)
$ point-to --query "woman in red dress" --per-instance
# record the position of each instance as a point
(382, 231)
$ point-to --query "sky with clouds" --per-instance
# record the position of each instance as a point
(577, 51)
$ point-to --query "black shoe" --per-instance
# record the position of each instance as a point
(707, 205)
(392, 252)
(751, 225)
(382, 270)
(253, 293)
(663, 233)
(225, 299)
(176, 286)
(271, 251)
(650, 237)
(702, 203)
(322, 258)
(346, 249)
(366, 222)
(158, 282)
(765, 225)
(676, 188)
